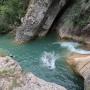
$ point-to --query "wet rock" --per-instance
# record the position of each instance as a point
(81, 65)
(13, 78)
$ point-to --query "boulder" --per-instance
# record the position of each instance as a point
(81, 65)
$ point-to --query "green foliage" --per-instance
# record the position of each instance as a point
(82, 17)
(10, 13)
(82, 20)
(78, 13)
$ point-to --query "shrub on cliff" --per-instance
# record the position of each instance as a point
(10, 13)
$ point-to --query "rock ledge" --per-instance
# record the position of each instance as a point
(81, 65)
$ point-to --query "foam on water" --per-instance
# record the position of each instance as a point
(48, 59)
(72, 46)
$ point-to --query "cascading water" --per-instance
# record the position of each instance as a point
(48, 59)
(72, 46)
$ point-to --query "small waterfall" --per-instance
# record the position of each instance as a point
(48, 59)
(72, 46)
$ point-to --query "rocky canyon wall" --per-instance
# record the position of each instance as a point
(73, 20)
(38, 19)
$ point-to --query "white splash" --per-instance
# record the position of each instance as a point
(72, 46)
(48, 59)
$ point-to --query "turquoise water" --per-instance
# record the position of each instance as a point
(29, 57)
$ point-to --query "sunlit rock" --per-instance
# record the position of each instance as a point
(81, 65)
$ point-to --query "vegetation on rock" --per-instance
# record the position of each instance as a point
(11, 12)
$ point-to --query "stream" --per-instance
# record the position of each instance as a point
(46, 58)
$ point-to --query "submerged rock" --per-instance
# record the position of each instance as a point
(81, 65)
(13, 78)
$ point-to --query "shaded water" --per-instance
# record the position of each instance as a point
(30, 56)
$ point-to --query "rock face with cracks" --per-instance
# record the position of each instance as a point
(13, 78)
(38, 19)
(70, 18)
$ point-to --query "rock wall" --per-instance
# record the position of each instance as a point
(75, 22)
(13, 78)
(31, 22)
(71, 19)
(38, 19)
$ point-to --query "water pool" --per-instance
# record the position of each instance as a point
(29, 57)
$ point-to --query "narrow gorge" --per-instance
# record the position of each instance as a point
(45, 45)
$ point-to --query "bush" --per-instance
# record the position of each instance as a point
(10, 13)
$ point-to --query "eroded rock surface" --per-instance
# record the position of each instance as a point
(81, 65)
(31, 22)
(38, 19)
(13, 78)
